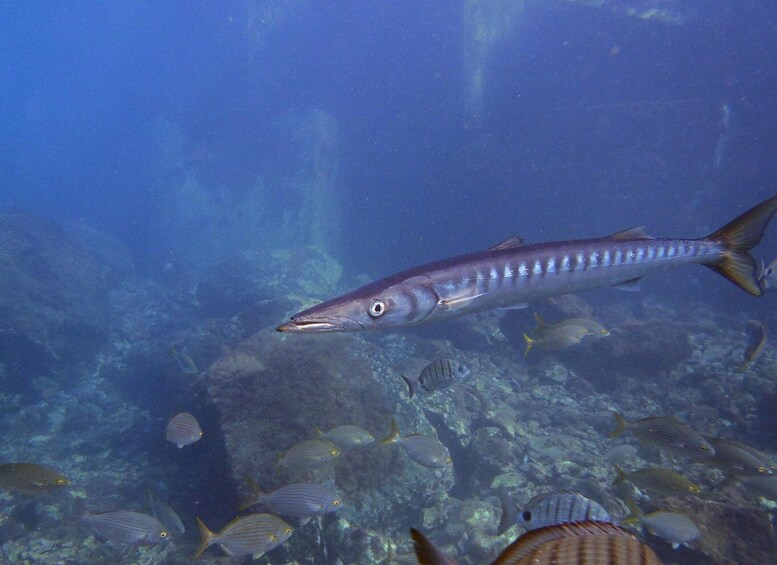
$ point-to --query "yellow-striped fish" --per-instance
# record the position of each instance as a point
(30, 478)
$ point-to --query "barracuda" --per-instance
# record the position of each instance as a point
(511, 274)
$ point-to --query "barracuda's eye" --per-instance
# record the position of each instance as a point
(377, 308)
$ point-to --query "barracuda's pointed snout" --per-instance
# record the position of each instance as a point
(388, 303)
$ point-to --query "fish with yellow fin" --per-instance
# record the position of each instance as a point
(756, 341)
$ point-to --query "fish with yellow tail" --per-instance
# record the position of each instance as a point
(510, 274)
(755, 332)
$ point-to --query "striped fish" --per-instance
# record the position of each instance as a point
(666, 432)
(183, 429)
(426, 451)
(579, 543)
(553, 508)
(658, 480)
(254, 534)
(123, 526)
(739, 459)
(437, 375)
(309, 453)
(30, 478)
(511, 274)
(347, 436)
(298, 500)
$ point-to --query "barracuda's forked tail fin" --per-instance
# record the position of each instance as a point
(738, 237)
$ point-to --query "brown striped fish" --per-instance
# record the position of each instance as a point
(183, 429)
(657, 480)
(253, 534)
(510, 274)
(666, 432)
(30, 478)
(309, 453)
(736, 458)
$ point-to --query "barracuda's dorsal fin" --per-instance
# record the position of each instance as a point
(509, 243)
(631, 233)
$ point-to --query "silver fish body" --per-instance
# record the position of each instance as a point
(739, 459)
(512, 274)
(128, 527)
(618, 454)
(553, 508)
(309, 453)
(165, 514)
(666, 432)
(348, 436)
(424, 450)
(299, 500)
(675, 528)
(253, 534)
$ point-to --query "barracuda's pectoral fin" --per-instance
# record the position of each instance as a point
(631, 233)
(509, 243)
(456, 302)
(633, 285)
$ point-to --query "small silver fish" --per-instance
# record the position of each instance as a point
(309, 453)
(253, 534)
(424, 450)
(554, 508)
(666, 432)
(183, 429)
(677, 529)
(165, 514)
(437, 375)
(184, 360)
(298, 500)
(756, 341)
(347, 436)
(128, 527)
(619, 454)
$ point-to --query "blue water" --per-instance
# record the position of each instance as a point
(191, 133)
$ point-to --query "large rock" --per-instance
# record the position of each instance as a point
(274, 389)
(54, 295)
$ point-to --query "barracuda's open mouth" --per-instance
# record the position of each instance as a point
(320, 326)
